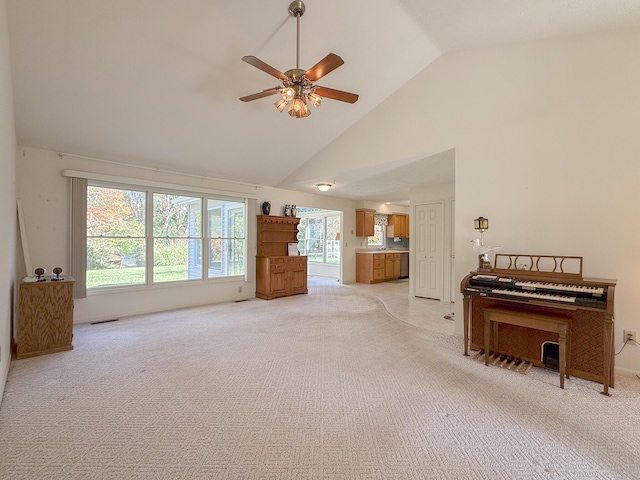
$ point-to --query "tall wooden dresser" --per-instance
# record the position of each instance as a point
(277, 273)
(45, 321)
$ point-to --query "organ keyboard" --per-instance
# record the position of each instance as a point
(587, 304)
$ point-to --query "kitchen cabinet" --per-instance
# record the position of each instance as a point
(277, 273)
(45, 321)
(398, 225)
(392, 266)
(377, 267)
(365, 221)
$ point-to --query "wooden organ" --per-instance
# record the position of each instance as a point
(543, 285)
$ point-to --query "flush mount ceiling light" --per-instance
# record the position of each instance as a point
(297, 88)
(323, 187)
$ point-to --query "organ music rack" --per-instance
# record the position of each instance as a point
(545, 285)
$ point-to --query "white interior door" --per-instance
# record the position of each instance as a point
(429, 251)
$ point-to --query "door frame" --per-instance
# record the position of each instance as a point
(412, 251)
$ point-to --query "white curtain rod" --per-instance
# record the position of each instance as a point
(156, 169)
(150, 183)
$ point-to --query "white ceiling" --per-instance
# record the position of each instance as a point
(156, 82)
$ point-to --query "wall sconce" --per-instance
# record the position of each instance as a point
(481, 224)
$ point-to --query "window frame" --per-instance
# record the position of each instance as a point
(150, 237)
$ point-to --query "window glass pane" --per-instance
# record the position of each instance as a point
(315, 237)
(332, 250)
(115, 237)
(215, 258)
(226, 257)
(176, 216)
(236, 221)
(226, 238)
(235, 257)
(115, 261)
(215, 222)
(378, 237)
(176, 259)
(114, 212)
(302, 247)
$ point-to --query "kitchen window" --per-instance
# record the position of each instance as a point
(380, 231)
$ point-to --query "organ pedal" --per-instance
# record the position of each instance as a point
(505, 361)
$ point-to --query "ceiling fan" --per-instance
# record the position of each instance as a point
(297, 85)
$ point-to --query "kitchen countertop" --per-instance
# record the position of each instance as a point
(388, 250)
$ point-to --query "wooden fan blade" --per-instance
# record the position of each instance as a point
(264, 93)
(256, 62)
(326, 65)
(336, 94)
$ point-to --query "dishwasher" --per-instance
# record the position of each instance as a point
(404, 265)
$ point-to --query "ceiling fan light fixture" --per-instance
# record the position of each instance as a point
(323, 187)
(314, 99)
(298, 108)
(288, 93)
(281, 104)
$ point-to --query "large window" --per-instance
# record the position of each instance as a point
(319, 235)
(142, 236)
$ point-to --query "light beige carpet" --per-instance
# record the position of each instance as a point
(331, 385)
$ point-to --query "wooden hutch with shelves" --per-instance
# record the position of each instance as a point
(277, 273)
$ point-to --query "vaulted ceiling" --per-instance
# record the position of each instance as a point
(156, 82)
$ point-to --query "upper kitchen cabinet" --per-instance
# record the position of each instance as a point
(398, 225)
(365, 221)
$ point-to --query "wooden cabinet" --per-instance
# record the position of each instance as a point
(398, 225)
(278, 274)
(392, 266)
(377, 267)
(45, 317)
(365, 221)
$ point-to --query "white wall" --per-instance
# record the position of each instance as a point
(44, 193)
(546, 139)
(7, 199)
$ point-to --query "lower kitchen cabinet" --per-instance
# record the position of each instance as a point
(280, 276)
(377, 267)
(392, 266)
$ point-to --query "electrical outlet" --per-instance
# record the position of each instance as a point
(629, 335)
(239, 289)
